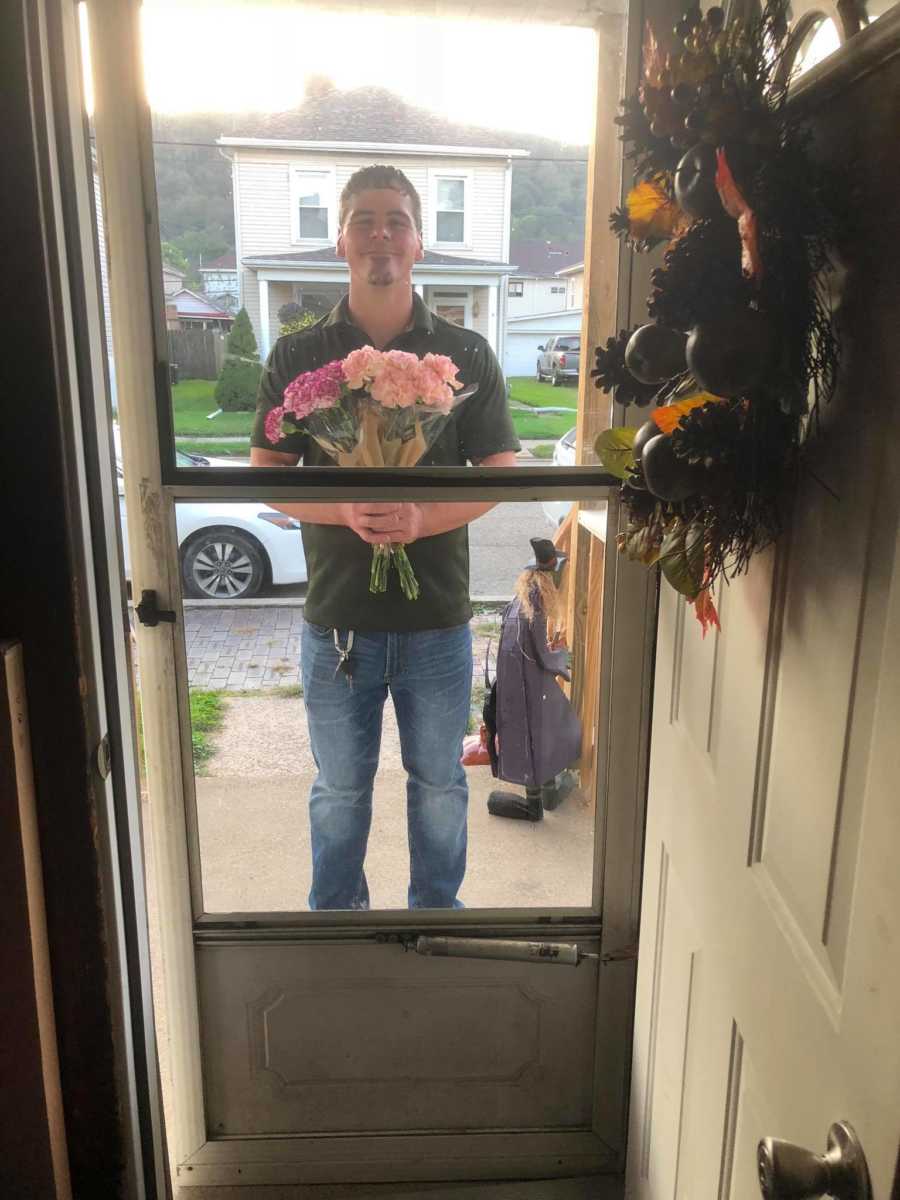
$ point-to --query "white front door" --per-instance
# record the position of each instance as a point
(769, 976)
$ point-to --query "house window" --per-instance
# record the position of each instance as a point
(313, 205)
(516, 287)
(557, 291)
(451, 196)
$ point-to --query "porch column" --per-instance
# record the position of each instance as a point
(493, 329)
(264, 335)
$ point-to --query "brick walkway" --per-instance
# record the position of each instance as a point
(240, 650)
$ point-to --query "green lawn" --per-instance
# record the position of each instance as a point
(192, 402)
(539, 395)
(217, 449)
(207, 714)
(551, 425)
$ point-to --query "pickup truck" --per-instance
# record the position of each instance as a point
(558, 360)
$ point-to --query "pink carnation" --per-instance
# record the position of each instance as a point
(397, 383)
(361, 366)
(437, 381)
(274, 430)
(314, 389)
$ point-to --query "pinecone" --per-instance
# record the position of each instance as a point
(611, 374)
(710, 435)
(649, 153)
(701, 275)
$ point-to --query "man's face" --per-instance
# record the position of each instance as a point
(379, 238)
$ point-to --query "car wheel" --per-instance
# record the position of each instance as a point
(222, 564)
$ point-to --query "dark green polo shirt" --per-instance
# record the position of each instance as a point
(338, 561)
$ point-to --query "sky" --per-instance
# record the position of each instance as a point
(202, 56)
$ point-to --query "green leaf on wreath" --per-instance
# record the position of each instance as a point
(640, 545)
(682, 558)
(614, 448)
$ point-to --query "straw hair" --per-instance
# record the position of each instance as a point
(537, 592)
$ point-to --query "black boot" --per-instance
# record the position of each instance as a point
(553, 793)
(520, 808)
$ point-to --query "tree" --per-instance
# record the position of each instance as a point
(241, 341)
(239, 378)
(293, 318)
(172, 256)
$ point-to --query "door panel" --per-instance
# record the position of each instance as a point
(424, 1043)
(773, 825)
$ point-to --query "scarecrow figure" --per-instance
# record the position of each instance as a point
(538, 735)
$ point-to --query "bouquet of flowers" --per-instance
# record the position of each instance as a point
(373, 409)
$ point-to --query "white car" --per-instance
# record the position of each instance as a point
(228, 551)
(563, 456)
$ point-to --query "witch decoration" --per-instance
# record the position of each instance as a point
(740, 350)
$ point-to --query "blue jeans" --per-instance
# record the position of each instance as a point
(429, 675)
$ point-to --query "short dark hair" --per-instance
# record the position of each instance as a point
(377, 176)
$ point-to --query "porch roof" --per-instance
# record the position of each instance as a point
(326, 259)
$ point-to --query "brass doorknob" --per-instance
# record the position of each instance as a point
(789, 1172)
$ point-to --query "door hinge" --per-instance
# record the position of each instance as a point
(149, 612)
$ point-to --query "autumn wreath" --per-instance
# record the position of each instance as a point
(740, 350)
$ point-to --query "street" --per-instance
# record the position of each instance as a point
(499, 548)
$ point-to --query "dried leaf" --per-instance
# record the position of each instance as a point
(669, 416)
(652, 212)
(705, 610)
(736, 206)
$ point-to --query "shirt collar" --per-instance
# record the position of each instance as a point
(422, 317)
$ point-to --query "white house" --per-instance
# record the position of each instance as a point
(287, 180)
(189, 310)
(574, 281)
(535, 286)
(220, 281)
(173, 280)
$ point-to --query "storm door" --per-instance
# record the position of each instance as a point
(485, 1033)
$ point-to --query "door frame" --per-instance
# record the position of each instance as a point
(127, 180)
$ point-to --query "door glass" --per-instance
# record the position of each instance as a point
(337, 767)
(245, 271)
(253, 158)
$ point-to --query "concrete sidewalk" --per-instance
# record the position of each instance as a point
(254, 825)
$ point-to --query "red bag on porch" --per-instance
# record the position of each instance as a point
(475, 751)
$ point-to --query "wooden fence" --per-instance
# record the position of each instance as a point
(198, 353)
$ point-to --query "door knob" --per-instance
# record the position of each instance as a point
(789, 1172)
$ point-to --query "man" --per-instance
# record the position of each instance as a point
(420, 649)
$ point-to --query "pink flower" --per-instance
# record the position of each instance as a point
(314, 389)
(361, 366)
(397, 383)
(274, 429)
(437, 381)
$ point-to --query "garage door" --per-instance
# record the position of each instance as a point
(521, 353)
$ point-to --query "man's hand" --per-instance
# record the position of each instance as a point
(382, 523)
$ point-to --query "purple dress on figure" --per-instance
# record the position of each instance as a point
(538, 731)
